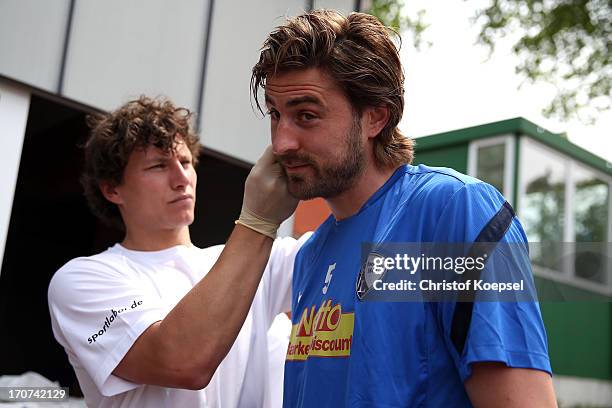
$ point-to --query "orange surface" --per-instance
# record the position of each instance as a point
(309, 215)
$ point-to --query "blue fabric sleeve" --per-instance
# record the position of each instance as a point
(510, 332)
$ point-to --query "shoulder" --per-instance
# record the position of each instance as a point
(96, 265)
(447, 185)
(443, 204)
(289, 246)
(86, 271)
(461, 205)
(439, 182)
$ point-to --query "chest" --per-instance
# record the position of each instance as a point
(169, 281)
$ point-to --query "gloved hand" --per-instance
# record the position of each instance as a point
(267, 202)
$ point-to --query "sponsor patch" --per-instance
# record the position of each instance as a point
(326, 332)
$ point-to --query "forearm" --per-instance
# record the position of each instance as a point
(186, 347)
(202, 327)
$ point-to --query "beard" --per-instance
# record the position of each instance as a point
(329, 179)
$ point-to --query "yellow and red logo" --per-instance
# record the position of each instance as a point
(326, 332)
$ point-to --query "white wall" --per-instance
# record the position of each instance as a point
(32, 36)
(229, 123)
(121, 49)
(587, 392)
(14, 106)
(343, 6)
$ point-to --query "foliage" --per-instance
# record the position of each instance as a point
(390, 13)
(567, 43)
(564, 42)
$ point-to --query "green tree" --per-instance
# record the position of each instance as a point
(564, 42)
(567, 43)
(390, 13)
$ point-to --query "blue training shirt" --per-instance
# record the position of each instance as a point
(347, 352)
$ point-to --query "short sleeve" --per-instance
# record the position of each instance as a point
(510, 332)
(279, 273)
(98, 311)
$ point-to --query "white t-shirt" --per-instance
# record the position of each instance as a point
(101, 304)
(278, 341)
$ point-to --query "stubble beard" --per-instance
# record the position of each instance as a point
(330, 180)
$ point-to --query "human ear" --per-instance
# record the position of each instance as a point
(375, 120)
(110, 192)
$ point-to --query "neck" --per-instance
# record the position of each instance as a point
(350, 202)
(140, 240)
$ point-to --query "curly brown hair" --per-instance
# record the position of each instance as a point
(137, 124)
(359, 53)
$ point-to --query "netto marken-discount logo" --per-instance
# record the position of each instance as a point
(110, 319)
(326, 332)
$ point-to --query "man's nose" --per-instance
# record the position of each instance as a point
(180, 174)
(284, 138)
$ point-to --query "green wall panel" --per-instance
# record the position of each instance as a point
(454, 157)
(579, 332)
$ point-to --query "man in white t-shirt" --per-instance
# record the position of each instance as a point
(154, 321)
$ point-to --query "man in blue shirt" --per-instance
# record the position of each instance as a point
(334, 92)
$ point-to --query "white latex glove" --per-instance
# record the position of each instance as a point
(267, 202)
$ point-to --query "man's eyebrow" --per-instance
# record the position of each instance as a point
(297, 101)
(304, 99)
(154, 155)
(156, 158)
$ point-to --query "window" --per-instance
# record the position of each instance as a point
(565, 210)
(491, 160)
(543, 203)
(590, 225)
(490, 165)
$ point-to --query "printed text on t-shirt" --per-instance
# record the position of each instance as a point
(110, 319)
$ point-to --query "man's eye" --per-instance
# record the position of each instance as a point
(186, 163)
(305, 116)
(158, 166)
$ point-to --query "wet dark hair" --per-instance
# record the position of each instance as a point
(358, 52)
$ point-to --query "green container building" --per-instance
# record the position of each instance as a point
(562, 195)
